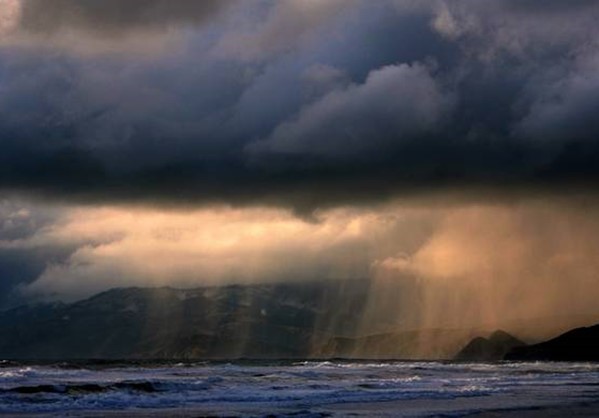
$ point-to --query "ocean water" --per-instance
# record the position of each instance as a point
(299, 389)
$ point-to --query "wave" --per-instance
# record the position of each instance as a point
(315, 385)
(85, 388)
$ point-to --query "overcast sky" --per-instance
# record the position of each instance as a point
(319, 121)
(290, 103)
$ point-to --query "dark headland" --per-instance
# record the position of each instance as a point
(581, 344)
(489, 349)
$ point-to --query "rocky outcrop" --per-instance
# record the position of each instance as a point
(493, 348)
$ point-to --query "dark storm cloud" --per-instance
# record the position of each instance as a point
(304, 104)
(19, 267)
(394, 103)
(19, 264)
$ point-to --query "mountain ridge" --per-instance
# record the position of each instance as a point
(320, 319)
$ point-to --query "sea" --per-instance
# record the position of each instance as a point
(298, 389)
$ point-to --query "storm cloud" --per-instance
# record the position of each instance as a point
(297, 104)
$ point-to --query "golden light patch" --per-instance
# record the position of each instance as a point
(10, 16)
(133, 246)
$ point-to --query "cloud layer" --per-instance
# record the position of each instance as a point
(295, 103)
(122, 247)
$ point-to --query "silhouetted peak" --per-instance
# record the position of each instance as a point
(489, 349)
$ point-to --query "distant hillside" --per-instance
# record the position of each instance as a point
(581, 344)
(264, 321)
(293, 320)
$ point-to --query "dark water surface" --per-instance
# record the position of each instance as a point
(298, 389)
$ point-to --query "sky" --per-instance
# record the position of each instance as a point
(444, 144)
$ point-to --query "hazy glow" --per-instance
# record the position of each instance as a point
(135, 27)
(124, 247)
(10, 15)
(504, 264)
